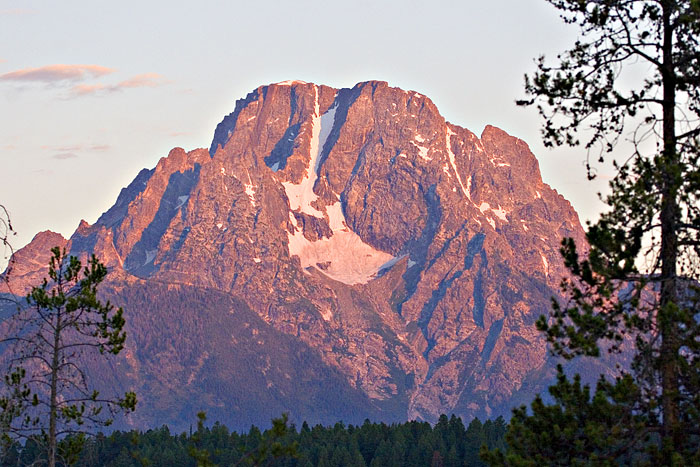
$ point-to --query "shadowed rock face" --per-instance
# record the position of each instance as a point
(409, 255)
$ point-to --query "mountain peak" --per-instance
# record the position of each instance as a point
(29, 265)
(409, 255)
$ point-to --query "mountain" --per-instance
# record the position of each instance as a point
(337, 254)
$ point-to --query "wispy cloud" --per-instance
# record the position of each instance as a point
(78, 147)
(75, 150)
(145, 80)
(17, 12)
(81, 80)
(65, 155)
(87, 89)
(57, 73)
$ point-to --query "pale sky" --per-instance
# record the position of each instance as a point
(93, 91)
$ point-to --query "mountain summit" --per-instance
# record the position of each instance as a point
(336, 254)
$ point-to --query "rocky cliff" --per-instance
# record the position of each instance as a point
(360, 257)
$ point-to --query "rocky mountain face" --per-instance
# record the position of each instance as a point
(337, 254)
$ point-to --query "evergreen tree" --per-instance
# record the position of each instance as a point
(638, 281)
(323, 459)
(495, 431)
(382, 456)
(436, 461)
(425, 449)
(356, 459)
(47, 391)
(474, 439)
(340, 457)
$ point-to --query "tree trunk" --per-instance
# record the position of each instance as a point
(53, 413)
(669, 242)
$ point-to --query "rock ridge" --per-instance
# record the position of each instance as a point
(410, 254)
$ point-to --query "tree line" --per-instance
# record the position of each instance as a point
(447, 443)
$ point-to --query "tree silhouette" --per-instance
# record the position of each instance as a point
(47, 342)
(6, 232)
(634, 73)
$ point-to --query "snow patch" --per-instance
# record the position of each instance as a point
(257, 260)
(219, 225)
(451, 157)
(500, 213)
(498, 162)
(336, 218)
(389, 264)
(411, 263)
(327, 315)
(422, 151)
(545, 263)
(250, 190)
(538, 195)
(344, 256)
(348, 258)
(150, 256)
(290, 82)
(302, 195)
(251, 193)
(223, 171)
(181, 200)
(419, 138)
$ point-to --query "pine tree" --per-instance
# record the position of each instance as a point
(475, 437)
(47, 389)
(638, 281)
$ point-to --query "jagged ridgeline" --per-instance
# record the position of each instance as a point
(338, 254)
